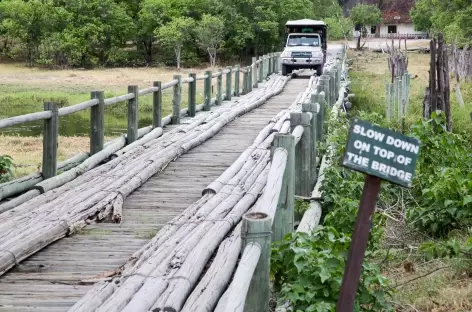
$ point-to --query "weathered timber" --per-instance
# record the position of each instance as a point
(219, 87)
(284, 215)
(319, 99)
(97, 123)
(207, 91)
(192, 95)
(50, 141)
(77, 107)
(133, 115)
(229, 83)
(236, 80)
(311, 218)
(304, 181)
(176, 100)
(4, 123)
(157, 105)
(313, 109)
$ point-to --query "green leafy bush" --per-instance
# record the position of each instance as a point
(308, 270)
(6, 162)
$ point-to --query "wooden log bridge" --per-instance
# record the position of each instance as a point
(157, 219)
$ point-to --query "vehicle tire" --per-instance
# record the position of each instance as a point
(319, 70)
(286, 70)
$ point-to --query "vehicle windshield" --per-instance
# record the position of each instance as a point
(303, 40)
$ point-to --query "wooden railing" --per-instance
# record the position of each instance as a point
(253, 74)
(292, 174)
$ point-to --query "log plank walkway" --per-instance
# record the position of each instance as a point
(52, 279)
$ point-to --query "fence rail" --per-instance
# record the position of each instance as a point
(266, 65)
(292, 173)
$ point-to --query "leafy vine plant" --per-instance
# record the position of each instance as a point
(6, 163)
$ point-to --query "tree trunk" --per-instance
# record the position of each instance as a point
(359, 41)
(177, 56)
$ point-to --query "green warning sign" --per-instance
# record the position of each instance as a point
(381, 152)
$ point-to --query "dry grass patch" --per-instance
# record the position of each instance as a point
(27, 152)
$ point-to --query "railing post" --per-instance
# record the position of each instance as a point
(192, 95)
(97, 123)
(245, 80)
(261, 69)
(324, 86)
(133, 115)
(313, 109)
(207, 91)
(256, 228)
(254, 76)
(331, 87)
(219, 87)
(303, 179)
(319, 98)
(157, 105)
(50, 139)
(250, 76)
(270, 65)
(229, 83)
(284, 216)
(236, 80)
(176, 100)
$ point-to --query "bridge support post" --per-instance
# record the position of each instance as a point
(177, 100)
(319, 99)
(250, 76)
(261, 69)
(284, 215)
(207, 91)
(50, 139)
(219, 87)
(269, 72)
(157, 105)
(229, 83)
(303, 185)
(332, 86)
(324, 86)
(133, 115)
(97, 123)
(237, 72)
(313, 109)
(245, 80)
(256, 228)
(192, 95)
(254, 73)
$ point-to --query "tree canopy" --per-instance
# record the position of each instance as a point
(92, 33)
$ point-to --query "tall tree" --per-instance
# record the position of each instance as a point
(363, 15)
(210, 34)
(175, 34)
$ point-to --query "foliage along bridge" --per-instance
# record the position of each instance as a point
(151, 221)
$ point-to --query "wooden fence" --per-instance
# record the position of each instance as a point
(292, 174)
(259, 70)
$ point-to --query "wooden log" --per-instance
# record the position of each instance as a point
(297, 133)
(250, 78)
(157, 105)
(234, 298)
(50, 141)
(207, 92)
(256, 228)
(77, 107)
(192, 95)
(313, 109)
(319, 99)
(97, 123)
(133, 111)
(245, 81)
(219, 87)
(8, 122)
(120, 98)
(229, 83)
(177, 100)
(96, 295)
(303, 182)
(236, 81)
(284, 215)
(311, 218)
(324, 86)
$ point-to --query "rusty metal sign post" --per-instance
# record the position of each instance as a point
(383, 155)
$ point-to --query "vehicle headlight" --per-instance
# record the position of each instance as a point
(317, 54)
(286, 54)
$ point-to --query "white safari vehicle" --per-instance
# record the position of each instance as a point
(305, 46)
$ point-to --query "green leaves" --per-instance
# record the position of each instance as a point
(6, 163)
(366, 14)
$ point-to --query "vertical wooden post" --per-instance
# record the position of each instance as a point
(270, 64)
(261, 69)
(319, 98)
(284, 216)
(229, 83)
(219, 87)
(256, 228)
(245, 80)
(176, 100)
(207, 91)
(324, 85)
(133, 115)
(97, 123)
(157, 105)
(50, 141)
(236, 80)
(303, 179)
(254, 79)
(332, 100)
(313, 109)
(250, 76)
(192, 95)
